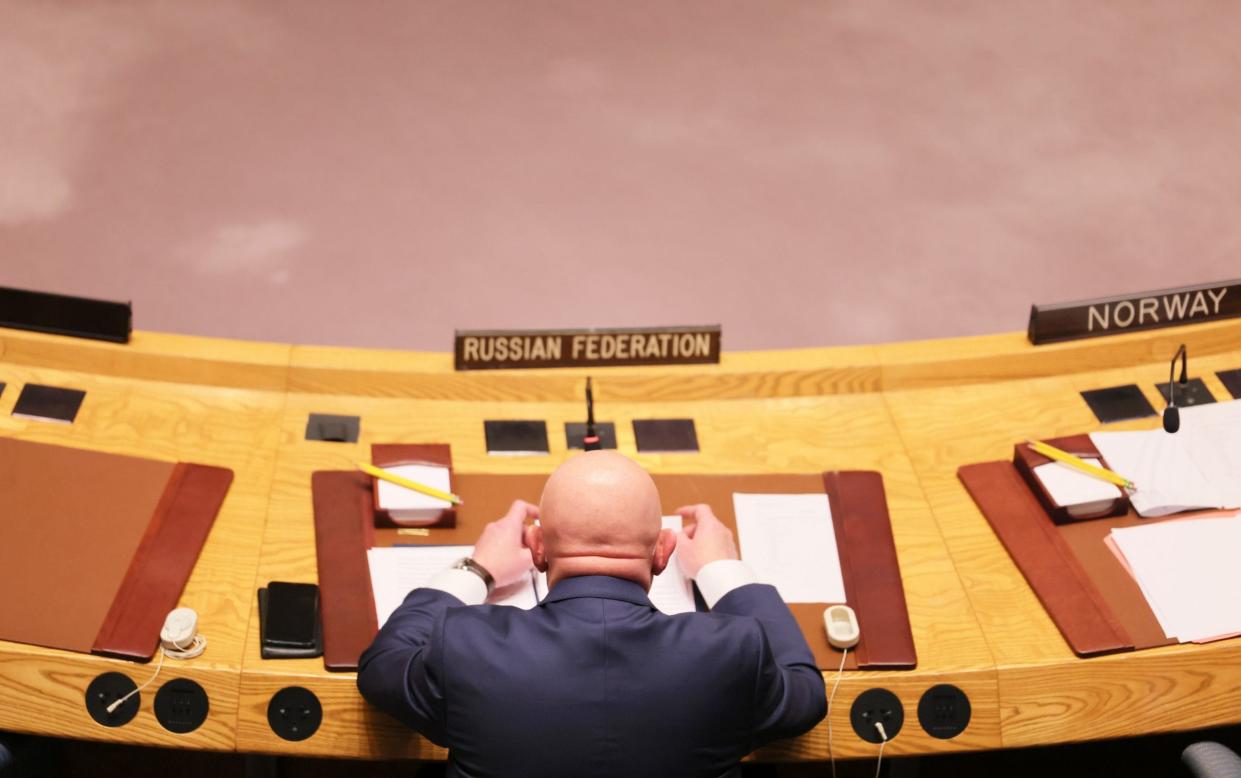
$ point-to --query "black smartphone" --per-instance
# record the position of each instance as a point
(292, 611)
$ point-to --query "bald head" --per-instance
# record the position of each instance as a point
(600, 515)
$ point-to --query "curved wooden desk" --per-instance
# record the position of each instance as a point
(913, 411)
(42, 690)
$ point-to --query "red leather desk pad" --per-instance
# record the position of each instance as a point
(345, 528)
(97, 547)
(1092, 599)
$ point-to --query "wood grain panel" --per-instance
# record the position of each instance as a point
(789, 435)
(156, 356)
(1047, 694)
(914, 411)
(41, 690)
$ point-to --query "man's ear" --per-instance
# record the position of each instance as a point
(664, 546)
(532, 536)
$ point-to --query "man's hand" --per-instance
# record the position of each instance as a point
(706, 540)
(500, 548)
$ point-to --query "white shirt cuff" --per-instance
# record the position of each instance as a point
(720, 577)
(462, 584)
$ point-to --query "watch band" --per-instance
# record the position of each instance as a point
(466, 563)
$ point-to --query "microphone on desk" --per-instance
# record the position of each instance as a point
(590, 441)
(1172, 414)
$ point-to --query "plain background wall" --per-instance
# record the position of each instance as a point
(805, 173)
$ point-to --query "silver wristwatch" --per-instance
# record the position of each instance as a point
(466, 563)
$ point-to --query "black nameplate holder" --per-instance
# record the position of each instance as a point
(665, 435)
(1133, 312)
(62, 314)
(592, 347)
(1118, 403)
(333, 428)
(48, 403)
(1231, 379)
(516, 438)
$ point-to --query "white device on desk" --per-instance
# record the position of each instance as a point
(842, 627)
(179, 639)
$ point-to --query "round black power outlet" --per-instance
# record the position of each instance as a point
(107, 689)
(944, 711)
(181, 706)
(876, 706)
(294, 713)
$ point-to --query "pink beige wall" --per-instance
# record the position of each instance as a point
(805, 173)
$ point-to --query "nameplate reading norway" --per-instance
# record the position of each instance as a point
(1131, 312)
(508, 349)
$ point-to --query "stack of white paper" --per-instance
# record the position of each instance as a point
(789, 541)
(1188, 570)
(398, 570)
(407, 505)
(1197, 468)
(1082, 495)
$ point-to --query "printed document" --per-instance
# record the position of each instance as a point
(1196, 468)
(398, 570)
(1188, 571)
(789, 541)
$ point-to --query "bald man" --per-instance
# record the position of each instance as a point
(595, 681)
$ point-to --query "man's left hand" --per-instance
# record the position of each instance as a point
(501, 550)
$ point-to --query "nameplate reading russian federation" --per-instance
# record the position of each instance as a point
(1131, 312)
(508, 349)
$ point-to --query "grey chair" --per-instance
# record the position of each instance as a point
(1211, 760)
(6, 755)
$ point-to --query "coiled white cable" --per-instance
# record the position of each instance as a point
(194, 647)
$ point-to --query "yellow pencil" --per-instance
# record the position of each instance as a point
(430, 491)
(1078, 463)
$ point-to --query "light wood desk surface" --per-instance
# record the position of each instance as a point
(790, 435)
(914, 411)
(42, 690)
(1048, 694)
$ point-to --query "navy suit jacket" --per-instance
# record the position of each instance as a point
(595, 681)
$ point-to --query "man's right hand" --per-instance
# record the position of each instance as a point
(703, 541)
(501, 549)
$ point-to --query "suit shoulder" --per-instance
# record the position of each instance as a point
(723, 628)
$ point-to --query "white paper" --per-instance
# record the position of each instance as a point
(398, 570)
(671, 592)
(1069, 486)
(1187, 569)
(1215, 430)
(394, 497)
(1197, 467)
(789, 541)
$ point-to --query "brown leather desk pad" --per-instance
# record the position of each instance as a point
(1091, 598)
(97, 547)
(345, 529)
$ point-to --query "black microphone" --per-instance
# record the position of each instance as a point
(1172, 414)
(590, 441)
